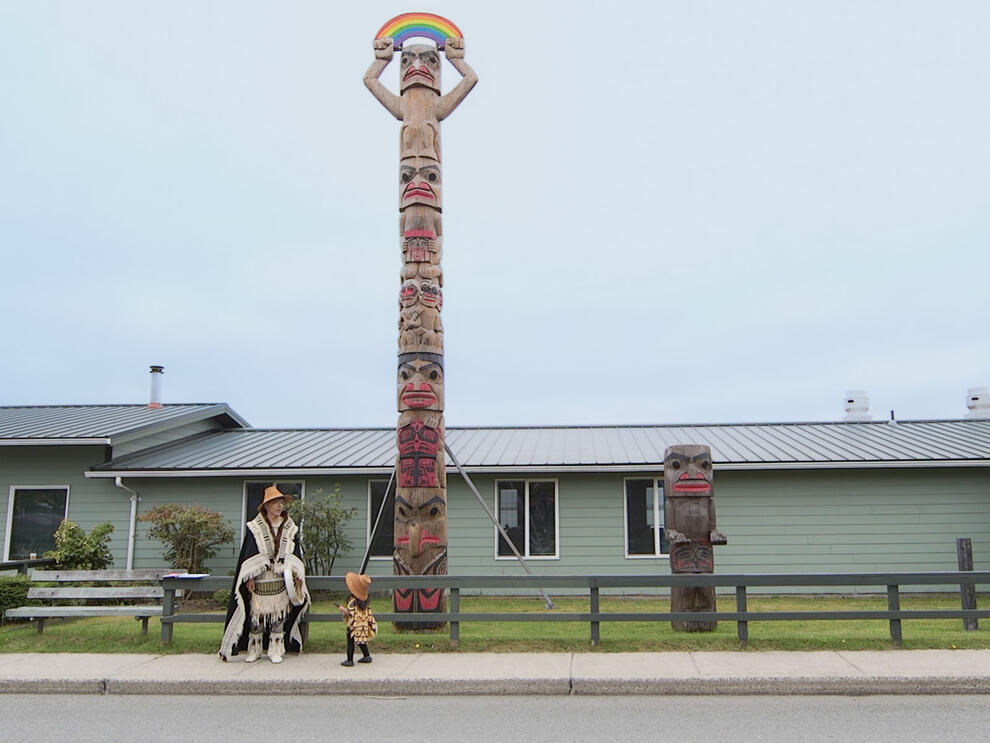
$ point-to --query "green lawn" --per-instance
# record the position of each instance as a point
(123, 635)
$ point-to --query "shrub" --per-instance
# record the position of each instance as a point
(221, 597)
(321, 521)
(13, 592)
(77, 550)
(191, 534)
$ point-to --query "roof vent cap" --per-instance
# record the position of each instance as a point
(978, 402)
(857, 406)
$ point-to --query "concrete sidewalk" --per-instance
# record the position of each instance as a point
(828, 672)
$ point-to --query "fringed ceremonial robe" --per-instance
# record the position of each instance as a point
(263, 557)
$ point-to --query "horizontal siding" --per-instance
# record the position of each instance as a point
(775, 521)
(91, 502)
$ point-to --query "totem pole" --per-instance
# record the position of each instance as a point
(689, 511)
(420, 527)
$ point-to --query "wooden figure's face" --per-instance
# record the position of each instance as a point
(419, 246)
(419, 65)
(420, 526)
(409, 293)
(420, 385)
(430, 294)
(687, 471)
(419, 182)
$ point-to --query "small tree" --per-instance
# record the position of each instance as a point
(321, 521)
(191, 534)
(77, 550)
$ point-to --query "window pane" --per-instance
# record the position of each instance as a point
(511, 505)
(36, 516)
(639, 517)
(255, 493)
(542, 518)
(382, 544)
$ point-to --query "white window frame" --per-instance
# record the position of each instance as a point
(556, 519)
(659, 519)
(370, 521)
(10, 510)
(244, 497)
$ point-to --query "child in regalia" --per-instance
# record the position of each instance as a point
(361, 624)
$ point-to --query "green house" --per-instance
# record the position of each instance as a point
(853, 496)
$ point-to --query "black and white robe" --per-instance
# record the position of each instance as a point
(260, 553)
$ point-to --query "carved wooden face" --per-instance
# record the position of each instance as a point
(430, 294)
(420, 385)
(419, 182)
(687, 471)
(420, 525)
(409, 293)
(419, 65)
(419, 246)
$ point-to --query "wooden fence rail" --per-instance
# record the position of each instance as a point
(889, 582)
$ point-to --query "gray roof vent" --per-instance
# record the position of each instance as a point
(978, 402)
(857, 406)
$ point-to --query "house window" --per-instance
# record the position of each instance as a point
(254, 493)
(645, 533)
(33, 515)
(381, 545)
(527, 510)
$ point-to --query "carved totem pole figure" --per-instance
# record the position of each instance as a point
(689, 512)
(420, 525)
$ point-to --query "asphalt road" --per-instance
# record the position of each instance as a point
(477, 719)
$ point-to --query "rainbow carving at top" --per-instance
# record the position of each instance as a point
(427, 25)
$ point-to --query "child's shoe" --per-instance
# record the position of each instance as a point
(347, 663)
(365, 659)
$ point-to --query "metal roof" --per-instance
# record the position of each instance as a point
(575, 448)
(100, 424)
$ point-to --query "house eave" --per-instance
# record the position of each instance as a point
(525, 469)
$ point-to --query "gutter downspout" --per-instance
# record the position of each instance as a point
(132, 524)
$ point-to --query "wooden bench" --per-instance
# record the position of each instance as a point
(79, 594)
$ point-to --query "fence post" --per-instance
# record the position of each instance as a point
(455, 608)
(967, 591)
(894, 604)
(168, 610)
(742, 626)
(595, 625)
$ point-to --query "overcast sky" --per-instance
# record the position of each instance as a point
(654, 212)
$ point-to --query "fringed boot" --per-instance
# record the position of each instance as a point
(254, 648)
(276, 646)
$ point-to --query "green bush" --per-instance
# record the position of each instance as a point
(321, 521)
(13, 592)
(77, 550)
(191, 534)
(222, 597)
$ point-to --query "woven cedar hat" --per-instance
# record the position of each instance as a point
(272, 493)
(358, 585)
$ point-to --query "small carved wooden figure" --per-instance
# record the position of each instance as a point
(690, 528)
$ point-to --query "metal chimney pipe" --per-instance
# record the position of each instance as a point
(156, 386)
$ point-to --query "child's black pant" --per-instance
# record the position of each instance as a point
(350, 647)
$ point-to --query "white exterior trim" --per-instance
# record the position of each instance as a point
(526, 470)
